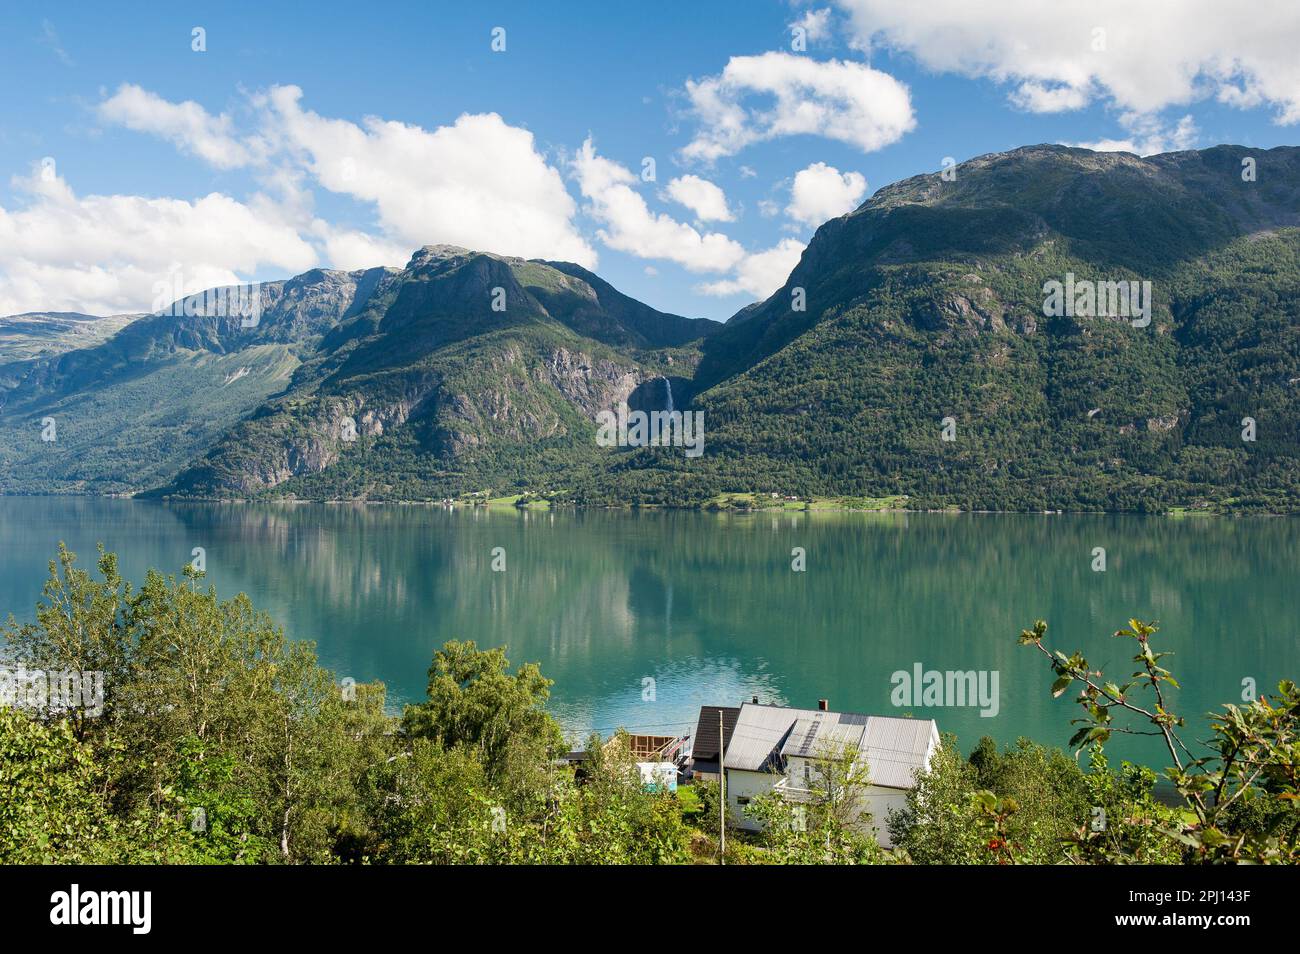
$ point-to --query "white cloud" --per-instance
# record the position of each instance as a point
(822, 192)
(1040, 98)
(479, 182)
(187, 125)
(759, 274)
(1142, 57)
(630, 226)
(704, 198)
(50, 38)
(816, 24)
(1148, 136)
(104, 254)
(848, 102)
(351, 248)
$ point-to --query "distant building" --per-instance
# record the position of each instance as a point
(775, 748)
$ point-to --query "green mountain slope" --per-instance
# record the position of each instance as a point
(919, 317)
(928, 303)
(48, 334)
(470, 370)
(129, 413)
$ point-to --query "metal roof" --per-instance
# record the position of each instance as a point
(823, 734)
(894, 748)
(706, 731)
(758, 736)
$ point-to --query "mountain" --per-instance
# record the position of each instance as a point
(458, 365)
(919, 348)
(46, 334)
(130, 412)
(467, 370)
(928, 301)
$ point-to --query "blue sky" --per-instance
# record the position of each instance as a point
(327, 133)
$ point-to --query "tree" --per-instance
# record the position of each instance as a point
(81, 626)
(474, 701)
(937, 824)
(1252, 759)
(55, 809)
(825, 820)
(1017, 803)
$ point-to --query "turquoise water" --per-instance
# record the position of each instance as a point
(707, 605)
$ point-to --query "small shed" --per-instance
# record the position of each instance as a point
(658, 776)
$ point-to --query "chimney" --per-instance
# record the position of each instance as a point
(823, 704)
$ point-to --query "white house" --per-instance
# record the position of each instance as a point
(774, 748)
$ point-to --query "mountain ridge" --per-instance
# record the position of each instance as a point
(924, 305)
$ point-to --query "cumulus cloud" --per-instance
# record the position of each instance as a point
(1141, 57)
(816, 24)
(844, 101)
(1148, 136)
(105, 254)
(629, 225)
(187, 125)
(352, 248)
(479, 182)
(760, 274)
(704, 198)
(822, 192)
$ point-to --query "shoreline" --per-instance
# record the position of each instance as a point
(732, 502)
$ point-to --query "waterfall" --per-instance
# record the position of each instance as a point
(668, 391)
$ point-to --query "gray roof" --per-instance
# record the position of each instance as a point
(765, 736)
(896, 748)
(825, 734)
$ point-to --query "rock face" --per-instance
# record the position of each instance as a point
(466, 370)
(459, 357)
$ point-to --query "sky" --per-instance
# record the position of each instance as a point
(686, 152)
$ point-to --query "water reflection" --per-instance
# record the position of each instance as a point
(707, 605)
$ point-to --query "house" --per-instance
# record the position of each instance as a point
(711, 735)
(775, 748)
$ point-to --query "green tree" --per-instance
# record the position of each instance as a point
(81, 624)
(1252, 759)
(473, 700)
(823, 819)
(54, 808)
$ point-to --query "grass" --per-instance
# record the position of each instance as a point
(766, 502)
(520, 502)
(1189, 512)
